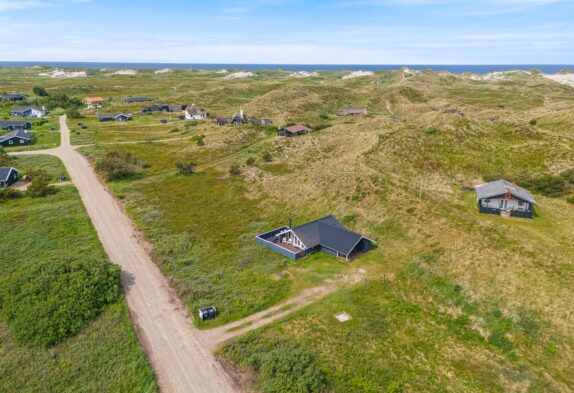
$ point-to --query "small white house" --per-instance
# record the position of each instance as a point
(195, 112)
(32, 112)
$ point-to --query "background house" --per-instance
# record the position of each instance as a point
(352, 111)
(297, 129)
(15, 125)
(12, 97)
(119, 117)
(130, 100)
(501, 196)
(195, 112)
(28, 111)
(15, 138)
(93, 100)
(8, 176)
(326, 234)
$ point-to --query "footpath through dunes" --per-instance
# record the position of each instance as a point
(180, 360)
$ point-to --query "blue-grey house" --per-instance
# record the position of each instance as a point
(8, 176)
(501, 196)
(12, 97)
(15, 125)
(326, 234)
(15, 138)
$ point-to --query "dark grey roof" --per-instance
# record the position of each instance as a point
(23, 108)
(13, 96)
(7, 124)
(327, 232)
(111, 115)
(5, 172)
(137, 99)
(502, 187)
(15, 134)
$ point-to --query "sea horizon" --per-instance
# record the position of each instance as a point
(452, 68)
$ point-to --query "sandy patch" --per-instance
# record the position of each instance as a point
(358, 74)
(124, 72)
(240, 75)
(565, 79)
(304, 74)
(163, 71)
(64, 74)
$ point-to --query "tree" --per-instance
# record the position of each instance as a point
(40, 91)
(185, 169)
(234, 170)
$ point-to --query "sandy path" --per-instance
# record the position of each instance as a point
(179, 358)
(215, 337)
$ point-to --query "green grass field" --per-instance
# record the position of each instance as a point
(104, 356)
(471, 302)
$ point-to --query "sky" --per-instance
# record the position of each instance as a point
(289, 31)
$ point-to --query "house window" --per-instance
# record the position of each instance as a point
(21, 141)
(520, 203)
(10, 142)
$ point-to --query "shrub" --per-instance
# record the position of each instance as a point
(547, 185)
(40, 91)
(117, 166)
(5, 159)
(533, 122)
(234, 170)
(46, 302)
(267, 157)
(432, 130)
(9, 193)
(199, 140)
(570, 200)
(284, 367)
(73, 113)
(185, 169)
(291, 370)
(250, 161)
(40, 188)
(61, 100)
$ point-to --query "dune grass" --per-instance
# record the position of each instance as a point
(468, 302)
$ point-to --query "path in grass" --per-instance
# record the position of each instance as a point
(180, 360)
(215, 337)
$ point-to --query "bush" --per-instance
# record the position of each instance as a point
(40, 188)
(117, 166)
(9, 193)
(267, 157)
(199, 140)
(570, 200)
(46, 302)
(5, 159)
(533, 122)
(73, 113)
(284, 367)
(185, 168)
(40, 91)
(250, 161)
(547, 185)
(234, 170)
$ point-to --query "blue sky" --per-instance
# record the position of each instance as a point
(290, 31)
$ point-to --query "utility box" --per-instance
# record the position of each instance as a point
(208, 313)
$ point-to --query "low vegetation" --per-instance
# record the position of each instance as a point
(63, 323)
(118, 166)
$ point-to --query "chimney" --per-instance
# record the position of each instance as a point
(241, 112)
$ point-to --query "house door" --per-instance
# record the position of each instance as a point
(503, 204)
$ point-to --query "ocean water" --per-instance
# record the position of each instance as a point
(455, 69)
